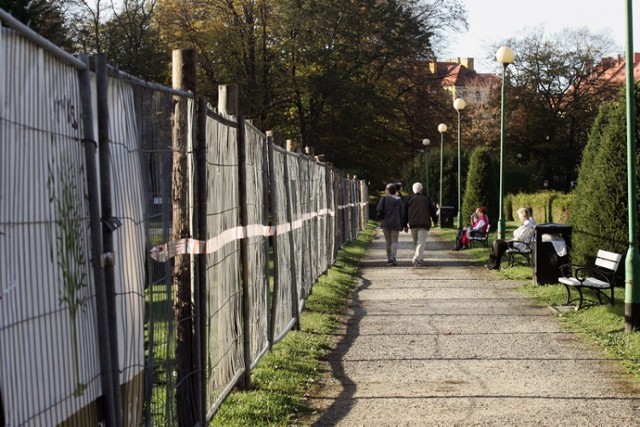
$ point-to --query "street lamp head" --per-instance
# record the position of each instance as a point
(442, 128)
(459, 104)
(505, 55)
(426, 142)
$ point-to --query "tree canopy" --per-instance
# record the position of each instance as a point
(341, 76)
(553, 98)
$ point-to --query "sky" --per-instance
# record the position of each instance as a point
(491, 21)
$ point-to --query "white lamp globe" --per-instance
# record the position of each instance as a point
(426, 142)
(459, 104)
(505, 55)
(442, 128)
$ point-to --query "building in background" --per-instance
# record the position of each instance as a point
(459, 78)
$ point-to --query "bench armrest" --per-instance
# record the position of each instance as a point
(581, 273)
(568, 270)
(519, 246)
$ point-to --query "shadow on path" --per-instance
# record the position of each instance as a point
(342, 403)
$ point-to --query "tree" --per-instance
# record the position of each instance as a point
(339, 76)
(125, 32)
(599, 212)
(481, 185)
(46, 17)
(413, 171)
(133, 43)
(554, 95)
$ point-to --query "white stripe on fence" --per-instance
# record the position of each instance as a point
(166, 251)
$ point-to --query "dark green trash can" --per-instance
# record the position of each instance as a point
(446, 217)
(551, 249)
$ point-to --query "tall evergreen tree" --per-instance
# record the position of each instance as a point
(481, 186)
(599, 212)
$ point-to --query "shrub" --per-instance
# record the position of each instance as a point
(599, 213)
(482, 185)
(548, 206)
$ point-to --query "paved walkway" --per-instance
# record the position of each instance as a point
(451, 344)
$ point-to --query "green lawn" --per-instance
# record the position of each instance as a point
(284, 375)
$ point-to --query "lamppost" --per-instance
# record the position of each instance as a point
(505, 56)
(442, 128)
(426, 143)
(459, 105)
(632, 261)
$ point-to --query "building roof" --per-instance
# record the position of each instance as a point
(460, 73)
(614, 69)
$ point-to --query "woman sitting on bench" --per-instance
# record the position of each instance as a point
(524, 233)
(479, 224)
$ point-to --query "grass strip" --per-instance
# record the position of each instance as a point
(283, 376)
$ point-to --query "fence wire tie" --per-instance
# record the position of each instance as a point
(112, 223)
(91, 141)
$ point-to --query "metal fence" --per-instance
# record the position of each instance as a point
(110, 311)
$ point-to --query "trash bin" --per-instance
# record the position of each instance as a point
(446, 217)
(551, 249)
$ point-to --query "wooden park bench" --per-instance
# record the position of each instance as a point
(476, 236)
(599, 278)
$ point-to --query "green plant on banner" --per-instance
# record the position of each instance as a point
(66, 198)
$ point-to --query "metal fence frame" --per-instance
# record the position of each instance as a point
(248, 201)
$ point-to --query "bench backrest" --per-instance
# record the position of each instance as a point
(608, 260)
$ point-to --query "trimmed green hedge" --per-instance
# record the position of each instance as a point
(548, 206)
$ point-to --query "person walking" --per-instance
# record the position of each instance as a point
(419, 215)
(390, 211)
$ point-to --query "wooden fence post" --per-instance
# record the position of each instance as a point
(228, 99)
(184, 78)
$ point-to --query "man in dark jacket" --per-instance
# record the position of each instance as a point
(418, 215)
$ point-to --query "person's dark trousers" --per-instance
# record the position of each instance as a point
(458, 245)
(498, 249)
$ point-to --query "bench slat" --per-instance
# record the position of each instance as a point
(571, 281)
(609, 265)
(591, 282)
(608, 257)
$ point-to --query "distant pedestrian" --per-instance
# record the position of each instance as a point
(390, 212)
(420, 213)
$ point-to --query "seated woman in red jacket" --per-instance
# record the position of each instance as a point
(479, 224)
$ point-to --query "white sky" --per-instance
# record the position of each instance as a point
(491, 21)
